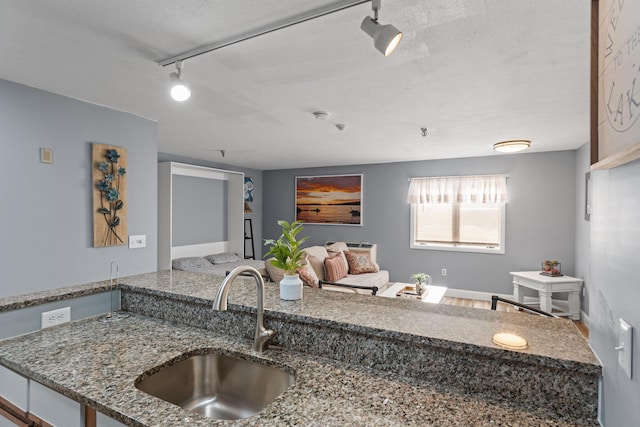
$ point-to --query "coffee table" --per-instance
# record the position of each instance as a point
(434, 293)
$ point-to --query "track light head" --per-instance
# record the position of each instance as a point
(385, 37)
(179, 89)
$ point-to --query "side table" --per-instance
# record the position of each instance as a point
(546, 286)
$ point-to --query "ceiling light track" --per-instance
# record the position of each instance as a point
(285, 23)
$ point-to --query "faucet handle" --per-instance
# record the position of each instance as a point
(262, 339)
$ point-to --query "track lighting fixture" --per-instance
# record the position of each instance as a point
(179, 89)
(385, 37)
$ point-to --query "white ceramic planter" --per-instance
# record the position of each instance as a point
(291, 287)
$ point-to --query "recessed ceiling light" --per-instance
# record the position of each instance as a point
(512, 146)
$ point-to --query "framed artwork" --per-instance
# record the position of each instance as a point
(618, 89)
(329, 199)
(109, 182)
(248, 194)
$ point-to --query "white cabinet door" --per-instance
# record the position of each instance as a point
(103, 421)
(53, 407)
(14, 388)
(5, 422)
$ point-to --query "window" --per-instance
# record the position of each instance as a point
(458, 213)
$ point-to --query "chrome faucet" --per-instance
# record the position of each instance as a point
(263, 335)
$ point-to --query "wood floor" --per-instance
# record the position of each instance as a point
(474, 303)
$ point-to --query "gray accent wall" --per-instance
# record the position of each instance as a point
(199, 210)
(540, 221)
(46, 226)
(258, 192)
(615, 286)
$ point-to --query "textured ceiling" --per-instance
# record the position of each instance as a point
(473, 72)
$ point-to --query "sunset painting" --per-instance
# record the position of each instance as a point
(332, 199)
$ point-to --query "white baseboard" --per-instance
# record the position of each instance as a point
(482, 296)
(584, 318)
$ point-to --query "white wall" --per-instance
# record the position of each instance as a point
(46, 215)
(615, 285)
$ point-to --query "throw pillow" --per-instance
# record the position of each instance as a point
(360, 262)
(308, 276)
(222, 258)
(276, 274)
(315, 257)
(335, 268)
(338, 248)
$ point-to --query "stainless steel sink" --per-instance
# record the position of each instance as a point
(217, 385)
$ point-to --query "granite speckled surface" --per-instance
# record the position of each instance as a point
(97, 364)
(43, 297)
(441, 349)
(556, 342)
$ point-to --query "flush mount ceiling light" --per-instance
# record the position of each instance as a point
(321, 115)
(179, 89)
(512, 146)
(385, 37)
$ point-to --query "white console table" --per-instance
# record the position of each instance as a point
(546, 286)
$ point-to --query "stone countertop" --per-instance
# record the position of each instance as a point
(552, 341)
(97, 364)
(43, 297)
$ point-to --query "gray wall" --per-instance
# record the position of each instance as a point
(540, 216)
(258, 193)
(615, 285)
(199, 210)
(46, 215)
(583, 163)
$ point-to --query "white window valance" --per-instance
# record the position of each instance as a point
(460, 189)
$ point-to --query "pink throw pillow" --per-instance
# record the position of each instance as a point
(335, 268)
(308, 276)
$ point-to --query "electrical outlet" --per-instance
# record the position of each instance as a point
(444, 272)
(56, 317)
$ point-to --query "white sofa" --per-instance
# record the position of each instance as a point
(365, 283)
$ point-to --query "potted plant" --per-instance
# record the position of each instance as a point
(288, 256)
(421, 280)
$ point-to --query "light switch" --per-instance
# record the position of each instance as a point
(139, 241)
(625, 346)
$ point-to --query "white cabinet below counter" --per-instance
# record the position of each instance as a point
(104, 421)
(14, 398)
(53, 408)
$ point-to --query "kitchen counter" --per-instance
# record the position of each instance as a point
(441, 352)
(97, 364)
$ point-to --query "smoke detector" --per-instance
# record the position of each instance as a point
(321, 115)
